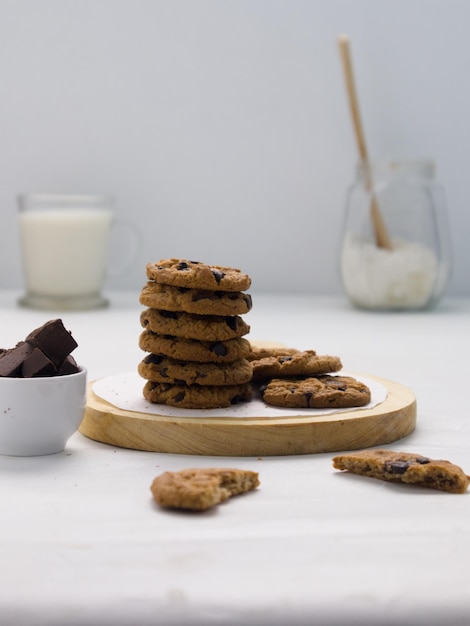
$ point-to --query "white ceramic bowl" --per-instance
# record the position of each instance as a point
(39, 415)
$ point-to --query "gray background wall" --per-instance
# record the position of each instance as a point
(222, 126)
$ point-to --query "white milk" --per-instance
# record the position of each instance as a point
(64, 251)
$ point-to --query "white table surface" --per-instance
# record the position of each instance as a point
(82, 542)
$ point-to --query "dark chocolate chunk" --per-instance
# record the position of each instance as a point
(232, 322)
(218, 275)
(12, 360)
(396, 467)
(182, 265)
(169, 314)
(45, 352)
(37, 364)
(248, 299)
(179, 396)
(69, 366)
(219, 349)
(156, 359)
(54, 340)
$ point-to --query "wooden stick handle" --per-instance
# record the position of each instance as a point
(380, 231)
(345, 53)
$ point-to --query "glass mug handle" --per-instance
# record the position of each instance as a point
(117, 262)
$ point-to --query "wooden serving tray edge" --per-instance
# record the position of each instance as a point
(388, 421)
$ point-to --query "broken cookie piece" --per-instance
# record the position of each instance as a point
(405, 467)
(200, 489)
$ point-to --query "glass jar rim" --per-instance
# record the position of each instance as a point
(424, 167)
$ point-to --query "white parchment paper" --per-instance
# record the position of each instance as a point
(124, 391)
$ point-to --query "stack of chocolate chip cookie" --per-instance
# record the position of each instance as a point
(292, 378)
(194, 334)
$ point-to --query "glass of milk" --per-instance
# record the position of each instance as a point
(413, 272)
(64, 246)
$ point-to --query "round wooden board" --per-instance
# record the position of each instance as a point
(388, 421)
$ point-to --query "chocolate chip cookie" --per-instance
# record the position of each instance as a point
(197, 275)
(403, 467)
(192, 326)
(163, 369)
(196, 396)
(199, 301)
(316, 392)
(200, 489)
(258, 352)
(307, 363)
(194, 350)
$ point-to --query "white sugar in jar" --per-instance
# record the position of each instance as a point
(414, 271)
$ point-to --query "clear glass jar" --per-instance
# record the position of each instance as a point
(413, 271)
